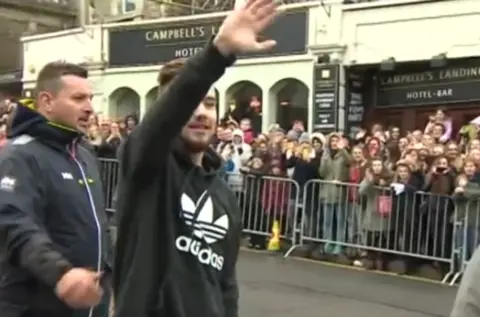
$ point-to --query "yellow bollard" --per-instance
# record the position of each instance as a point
(274, 242)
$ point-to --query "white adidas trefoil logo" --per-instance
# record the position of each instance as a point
(206, 230)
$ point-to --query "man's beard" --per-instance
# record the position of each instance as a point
(195, 147)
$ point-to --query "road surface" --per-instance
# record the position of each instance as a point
(274, 287)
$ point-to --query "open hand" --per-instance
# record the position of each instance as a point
(459, 190)
(240, 30)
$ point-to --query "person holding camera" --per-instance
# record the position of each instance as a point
(240, 154)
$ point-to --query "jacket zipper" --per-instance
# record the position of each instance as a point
(97, 222)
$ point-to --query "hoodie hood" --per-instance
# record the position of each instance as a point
(239, 133)
(319, 136)
(329, 137)
(26, 120)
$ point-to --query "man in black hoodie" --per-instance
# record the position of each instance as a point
(179, 225)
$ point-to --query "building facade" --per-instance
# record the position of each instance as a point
(21, 17)
(337, 66)
(125, 59)
(403, 59)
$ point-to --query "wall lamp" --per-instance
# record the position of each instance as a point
(388, 64)
(323, 59)
(439, 60)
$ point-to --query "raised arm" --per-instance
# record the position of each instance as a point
(238, 33)
(164, 121)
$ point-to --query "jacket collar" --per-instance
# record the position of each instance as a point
(28, 121)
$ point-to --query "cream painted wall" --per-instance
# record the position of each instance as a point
(140, 82)
(75, 46)
(257, 71)
(411, 31)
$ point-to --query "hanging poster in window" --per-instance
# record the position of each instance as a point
(354, 103)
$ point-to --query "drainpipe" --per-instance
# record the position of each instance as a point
(83, 16)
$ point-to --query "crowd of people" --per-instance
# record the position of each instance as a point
(105, 135)
(379, 198)
(383, 197)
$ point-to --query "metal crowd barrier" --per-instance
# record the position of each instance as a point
(359, 218)
(109, 175)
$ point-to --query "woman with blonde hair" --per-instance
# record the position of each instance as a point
(305, 162)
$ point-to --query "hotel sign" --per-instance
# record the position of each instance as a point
(156, 44)
(435, 86)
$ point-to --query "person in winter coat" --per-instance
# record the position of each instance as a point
(467, 203)
(241, 153)
(318, 141)
(108, 148)
(354, 202)
(304, 161)
(376, 222)
(373, 148)
(131, 122)
(440, 126)
(227, 154)
(247, 130)
(254, 219)
(333, 170)
(438, 207)
(275, 197)
(406, 219)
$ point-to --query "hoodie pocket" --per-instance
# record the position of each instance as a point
(160, 306)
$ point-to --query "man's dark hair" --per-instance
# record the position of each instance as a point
(49, 77)
(168, 72)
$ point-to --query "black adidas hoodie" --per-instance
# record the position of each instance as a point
(179, 226)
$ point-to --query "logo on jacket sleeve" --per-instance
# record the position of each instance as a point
(206, 230)
(8, 184)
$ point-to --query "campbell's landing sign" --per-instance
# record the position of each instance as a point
(434, 86)
(161, 42)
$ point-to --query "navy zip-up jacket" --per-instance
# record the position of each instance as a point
(52, 216)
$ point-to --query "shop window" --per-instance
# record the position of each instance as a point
(128, 6)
